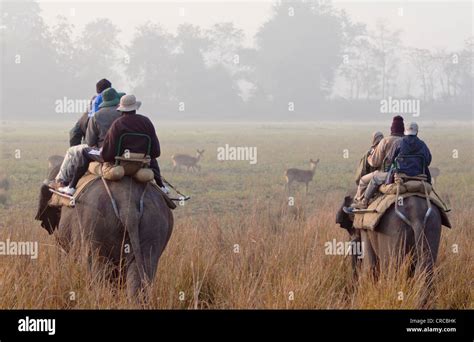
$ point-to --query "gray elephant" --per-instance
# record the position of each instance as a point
(393, 239)
(135, 238)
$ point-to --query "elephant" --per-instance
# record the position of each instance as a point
(393, 239)
(134, 236)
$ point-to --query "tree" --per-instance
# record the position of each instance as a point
(66, 57)
(387, 44)
(425, 66)
(29, 69)
(202, 90)
(151, 68)
(98, 51)
(298, 51)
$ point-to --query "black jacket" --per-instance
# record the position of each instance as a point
(414, 157)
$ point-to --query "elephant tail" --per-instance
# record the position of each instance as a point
(421, 244)
(131, 222)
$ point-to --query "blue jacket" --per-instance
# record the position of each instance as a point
(411, 145)
(96, 101)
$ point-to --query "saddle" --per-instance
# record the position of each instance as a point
(134, 165)
(389, 194)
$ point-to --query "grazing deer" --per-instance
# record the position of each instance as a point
(302, 176)
(187, 161)
(435, 172)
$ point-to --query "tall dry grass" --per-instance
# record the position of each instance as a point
(269, 257)
(237, 243)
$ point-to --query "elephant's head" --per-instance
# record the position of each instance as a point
(49, 216)
(344, 220)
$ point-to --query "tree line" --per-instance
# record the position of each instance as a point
(309, 61)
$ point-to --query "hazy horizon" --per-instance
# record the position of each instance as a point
(418, 19)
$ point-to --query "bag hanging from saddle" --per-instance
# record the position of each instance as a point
(135, 165)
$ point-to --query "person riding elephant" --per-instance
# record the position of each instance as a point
(414, 156)
(131, 122)
(364, 167)
(381, 158)
(78, 132)
(100, 123)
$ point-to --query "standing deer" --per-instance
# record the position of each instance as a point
(435, 172)
(187, 161)
(302, 176)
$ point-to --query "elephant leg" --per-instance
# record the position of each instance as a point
(135, 285)
(369, 259)
(356, 259)
(289, 187)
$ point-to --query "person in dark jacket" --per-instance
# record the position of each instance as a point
(128, 122)
(414, 156)
(78, 132)
(102, 120)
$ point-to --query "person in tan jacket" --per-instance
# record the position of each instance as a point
(381, 158)
(364, 167)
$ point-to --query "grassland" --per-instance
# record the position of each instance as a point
(237, 243)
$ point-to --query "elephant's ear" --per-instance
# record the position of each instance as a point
(343, 219)
(49, 216)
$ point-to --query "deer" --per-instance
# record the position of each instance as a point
(191, 163)
(435, 172)
(301, 176)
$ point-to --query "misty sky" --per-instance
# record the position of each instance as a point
(425, 24)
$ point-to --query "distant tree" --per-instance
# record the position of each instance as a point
(98, 50)
(466, 71)
(359, 68)
(29, 68)
(425, 66)
(444, 73)
(387, 47)
(200, 88)
(299, 49)
(66, 56)
(191, 72)
(224, 57)
(225, 42)
(151, 67)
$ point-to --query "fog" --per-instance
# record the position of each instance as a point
(238, 60)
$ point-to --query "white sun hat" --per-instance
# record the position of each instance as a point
(128, 103)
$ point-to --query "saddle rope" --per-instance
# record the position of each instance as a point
(428, 202)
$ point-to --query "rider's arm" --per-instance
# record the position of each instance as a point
(75, 135)
(378, 155)
(92, 133)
